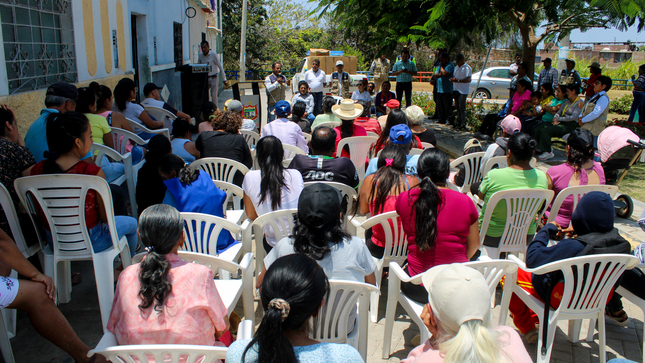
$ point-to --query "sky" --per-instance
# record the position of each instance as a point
(607, 35)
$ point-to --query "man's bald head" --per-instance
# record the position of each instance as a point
(323, 141)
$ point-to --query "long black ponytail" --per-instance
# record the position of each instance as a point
(433, 169)
(269, 152)
(62, 131)
(172, 162)
(390, 174)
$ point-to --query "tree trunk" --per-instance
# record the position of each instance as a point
(528, 57)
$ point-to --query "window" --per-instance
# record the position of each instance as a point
(179, 52)
(499, 73)
(38, 43)
(621, 57)
(606, 56)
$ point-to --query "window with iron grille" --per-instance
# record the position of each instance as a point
(38, 44)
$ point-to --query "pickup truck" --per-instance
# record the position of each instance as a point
(328, 65)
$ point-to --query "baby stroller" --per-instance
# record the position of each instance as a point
(619, 149)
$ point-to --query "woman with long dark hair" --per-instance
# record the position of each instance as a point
(271, 188)
(150, 187)
(440, 223)
(124, 93)
(379, 192)
(395, 117)
(104, 103)
(69, 139)
(293, 290)
(518, 175)
(163, 299)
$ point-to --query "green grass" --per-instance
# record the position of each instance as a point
(632, 184)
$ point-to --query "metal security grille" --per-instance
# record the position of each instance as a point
(38, 43)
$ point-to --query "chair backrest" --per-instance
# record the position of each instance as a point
(102, 151)
(427, 145)
(140, 126)
(161, 114)
(413, 151)
(359, 148)
(280, 222)
(587, 289)
(231, 191)
(330, 124)
(202, 231)
(291, 151)
(577, 192)
(331, 323)
(396, 241)
(121, 138)
(160, 353)
(499, 161)
(14, 224)
(472, 168)
(347, 192)
(307, 137)
(522, 207)
(62, 200)
(220, 168)
(370, 133)
(251, 138)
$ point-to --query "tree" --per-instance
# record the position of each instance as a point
(255, 41)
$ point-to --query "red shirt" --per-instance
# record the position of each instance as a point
(356, 131)
(590, 83)
(369, 124)
(91, 208)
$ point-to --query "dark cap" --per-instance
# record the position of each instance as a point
(149, 88)
(62, 89)
(570, 60)
(581, 140)
(319, 205)
(547, 59)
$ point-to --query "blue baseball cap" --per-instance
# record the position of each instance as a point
(282, 108)
(400, 130)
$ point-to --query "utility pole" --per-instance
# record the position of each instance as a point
(243, 44)
(563, 53)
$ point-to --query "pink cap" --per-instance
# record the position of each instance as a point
(511, 125)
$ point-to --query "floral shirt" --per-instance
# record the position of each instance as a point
(191, 313)
(14, 159)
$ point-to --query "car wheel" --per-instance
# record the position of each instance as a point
(482, 93)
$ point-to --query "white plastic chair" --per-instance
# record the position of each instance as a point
(62, 199)
(634, 300)
(251, 138)
(290, 152)
(577, 192)
(330, 124)
(350, 194)
(371, 133)
(307, 137)
(113, 352)
(396, 250)
(473, 171)
(427, 145)
(161, 114)
(280, 221)
(501, 162)
(330, 325)
(413, 151)
(202, 231)
(359, 148)
(220, 168)
(127, 176)
(141, 127)
(522, 207)
(121, 138)
(234, 195)
(492, 270)
(586, 301)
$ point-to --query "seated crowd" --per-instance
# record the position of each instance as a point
(165, 300)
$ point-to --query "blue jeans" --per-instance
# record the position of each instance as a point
(270, 114)
(318, 98)
(111, 170)
(145, 135)
(637, 104)
(137, 154)
(311, 118)
(125, 226)
(621, 360)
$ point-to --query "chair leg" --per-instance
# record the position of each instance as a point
(574, 330)
(390, 311)
(5, 344)
(104, 275)
(545, 358)
(591, 330)
(64, 281)
(601, 337)
(374, 297)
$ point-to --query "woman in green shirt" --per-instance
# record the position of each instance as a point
(327, 115)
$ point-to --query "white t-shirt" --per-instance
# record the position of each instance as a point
(315, 80)
(365, 96)
(132, 111)
(460, 73)
(288, 199)
(152, 102)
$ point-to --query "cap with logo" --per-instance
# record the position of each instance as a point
(282, 108)
(398, 131)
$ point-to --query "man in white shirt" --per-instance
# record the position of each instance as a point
(284, 129)
(316, 79)
(461, 79)
(211, 58)
(513, 69)
(276, 85)
(151, 92)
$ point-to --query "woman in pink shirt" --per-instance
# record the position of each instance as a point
(523, 94)
(163, 299)
(441, 224)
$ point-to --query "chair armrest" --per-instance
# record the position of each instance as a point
(245, 330)
(246, 262)
(108, 340)
(519, 262)
(398, 271)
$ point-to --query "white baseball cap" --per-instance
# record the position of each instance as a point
(340, 63)
(457, 294)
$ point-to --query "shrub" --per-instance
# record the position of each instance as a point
(424, 100)
(637, 128)
(621, 105)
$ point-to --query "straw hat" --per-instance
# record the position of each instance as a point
(347, 110)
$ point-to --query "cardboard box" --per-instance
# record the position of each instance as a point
(318, 52)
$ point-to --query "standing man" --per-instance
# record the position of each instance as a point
(461, 79)
(276, 84)
(380, 69)
(570, 76)
(341, 77)
(444, 87)
(596, 109)
(404, 70)
(316, 79)
(514, 66)
(595, 72)
(211, 58)
(548, 74)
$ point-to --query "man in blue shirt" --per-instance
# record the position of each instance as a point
(60, 97)
(404, 70)
(444, 87)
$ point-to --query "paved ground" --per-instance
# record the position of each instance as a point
(83, 313)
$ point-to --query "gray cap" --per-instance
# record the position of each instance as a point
(235, 106)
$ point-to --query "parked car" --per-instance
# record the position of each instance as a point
(495, 83)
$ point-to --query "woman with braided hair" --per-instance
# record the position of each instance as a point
(440, 223)
(163, 299)
(293, 290)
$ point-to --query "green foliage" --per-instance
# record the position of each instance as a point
(424, 100)
(255, 41)
(475, 112)
(636, 127)
(621, 105)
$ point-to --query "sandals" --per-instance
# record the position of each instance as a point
(531, 336)
(620, 316)
(76, 278)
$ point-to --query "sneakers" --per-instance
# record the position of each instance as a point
(546, 156)
(620, 316)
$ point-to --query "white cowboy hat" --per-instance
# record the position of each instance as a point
(347, 109)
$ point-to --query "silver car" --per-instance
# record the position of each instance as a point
(495, 83)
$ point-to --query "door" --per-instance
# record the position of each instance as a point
(135, 52)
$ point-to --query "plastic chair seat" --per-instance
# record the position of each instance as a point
(229, 300)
